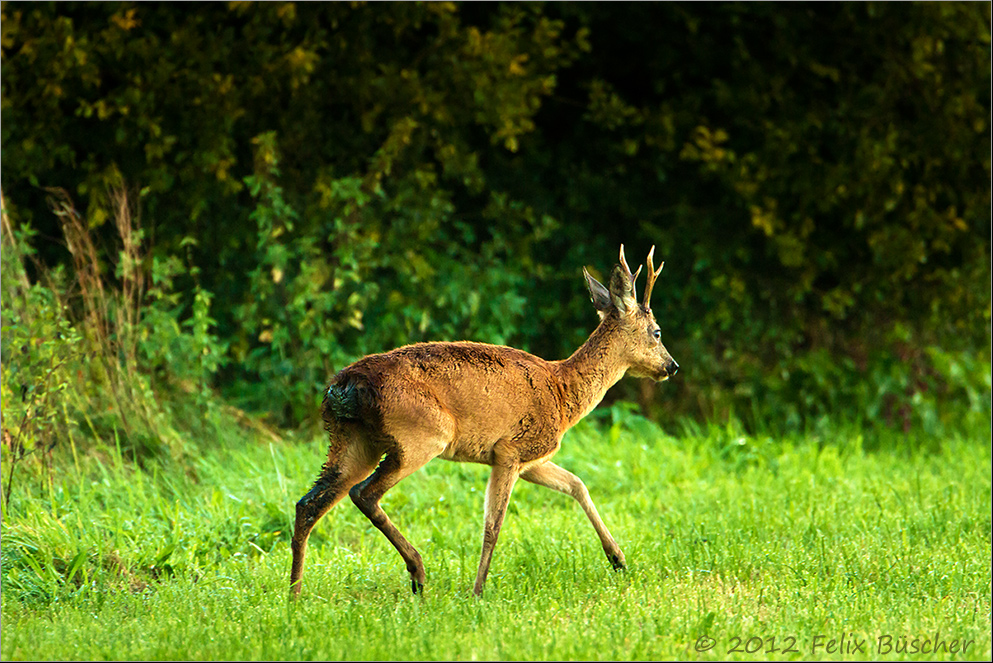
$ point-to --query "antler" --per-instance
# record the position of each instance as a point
(627, 272)
(650, 276)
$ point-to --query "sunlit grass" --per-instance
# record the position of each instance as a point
(782, 544)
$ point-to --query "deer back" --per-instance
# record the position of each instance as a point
(470, 396)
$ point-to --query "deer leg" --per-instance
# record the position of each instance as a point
(552, 476)
(332, 484)
(498, 490)
(366, 495)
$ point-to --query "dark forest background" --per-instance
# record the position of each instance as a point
(228, 202)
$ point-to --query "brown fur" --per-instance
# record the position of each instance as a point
(388, 414)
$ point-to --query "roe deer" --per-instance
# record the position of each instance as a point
(389, 414)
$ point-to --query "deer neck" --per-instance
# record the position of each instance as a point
(586, 376)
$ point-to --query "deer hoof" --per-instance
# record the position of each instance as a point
(617, 561)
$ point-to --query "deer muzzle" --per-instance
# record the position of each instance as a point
(669, 369)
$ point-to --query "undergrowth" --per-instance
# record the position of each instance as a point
(104, 356)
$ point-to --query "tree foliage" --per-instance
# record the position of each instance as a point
(348, 177)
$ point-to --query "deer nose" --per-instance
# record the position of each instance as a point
(671, 367)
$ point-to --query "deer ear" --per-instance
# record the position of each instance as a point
(598, 293)
(622, 292)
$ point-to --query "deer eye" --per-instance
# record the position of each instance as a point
(657, 334)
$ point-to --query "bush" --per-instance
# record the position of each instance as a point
(360, 176)
(97, 360)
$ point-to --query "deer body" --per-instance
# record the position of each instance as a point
(388, 414)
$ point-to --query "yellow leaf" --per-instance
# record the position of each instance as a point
(126, 21)
(516, 66)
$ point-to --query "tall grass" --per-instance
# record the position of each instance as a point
(728, 536)
(106, 354)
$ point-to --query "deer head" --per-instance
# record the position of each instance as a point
(633, 323)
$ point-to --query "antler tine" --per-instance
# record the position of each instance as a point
(627, 271)
(650, 277)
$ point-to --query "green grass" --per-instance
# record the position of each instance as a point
(771, 542)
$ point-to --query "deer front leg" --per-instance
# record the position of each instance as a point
(501, 483)
(552, 476)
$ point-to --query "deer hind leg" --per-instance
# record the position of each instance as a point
(501, 483)
(552, 476)
(346, 466)
(395, 466)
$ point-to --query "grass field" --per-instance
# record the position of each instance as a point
(739, 547)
